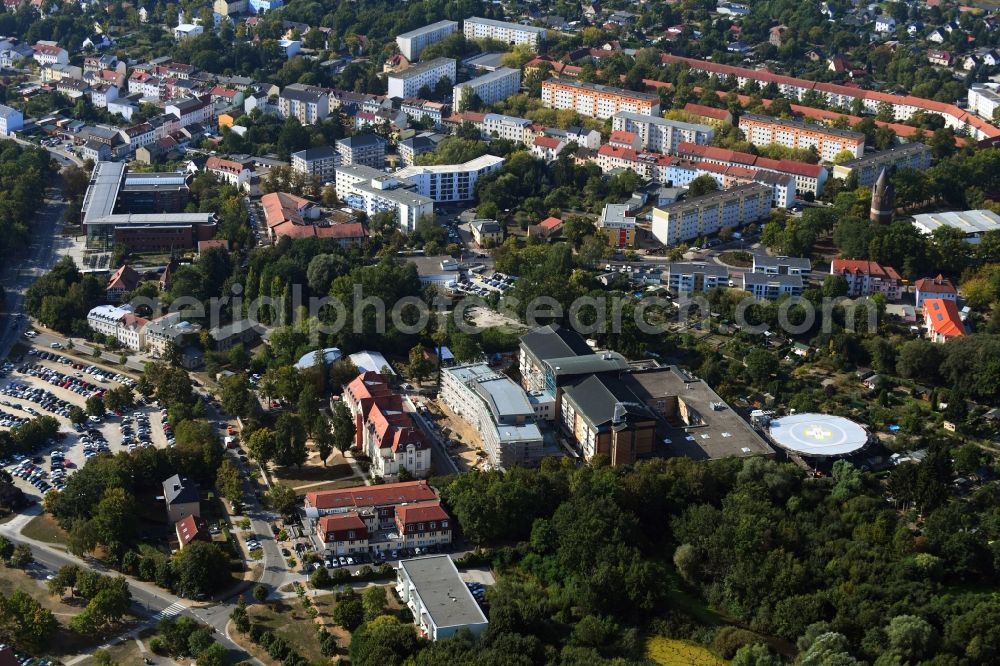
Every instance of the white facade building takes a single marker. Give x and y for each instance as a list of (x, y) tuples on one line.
[(11, 120), (659, 134), (512, 128), (685, 278), (502, 31), (438, 599), (490, 88), (983, 101), (413, 42), (498, 408), (374, 191), (701, 216), (450, 182), (408, 82)]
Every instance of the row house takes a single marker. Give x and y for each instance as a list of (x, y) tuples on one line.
[(840, 96), (422, 110), (144, 83), (192, 110), (865, 278), (808, 177)]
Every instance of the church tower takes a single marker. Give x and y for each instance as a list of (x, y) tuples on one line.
[(883, 196)]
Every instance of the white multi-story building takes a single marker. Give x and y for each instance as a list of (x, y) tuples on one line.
[(413, 42), (489, 88), (828, 141), (498, 409), (659, 134), (865, 278), (914, 155), (450, 182), (409, 81), (374, 191), (229, 171), (438, 599), (502, 31), (512, 128), (983, 101), (319, 163), (119, 323), (192, 110), (769, 287), (48, 53), (701, 216), (363, 149), (424, 110), (11, 120), (685, 278)]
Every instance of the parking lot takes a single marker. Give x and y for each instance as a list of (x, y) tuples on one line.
[(47, 383)]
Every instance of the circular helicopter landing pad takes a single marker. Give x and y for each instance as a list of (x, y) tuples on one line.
[(818, 434)]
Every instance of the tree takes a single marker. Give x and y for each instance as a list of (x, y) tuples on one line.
[(419, 368), (289, 440), (21, 557), (65, 577), (373, 600), (910, 636), (24, 622), (282, 499), (95, 406), (323, 438), (201, 569), (382, 642), (704, 184), (343, 427), (349, 614), (262, 445), (229, 482), (215, 654), (260, 593)]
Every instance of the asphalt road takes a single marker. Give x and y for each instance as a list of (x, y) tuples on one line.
[(26, 266)]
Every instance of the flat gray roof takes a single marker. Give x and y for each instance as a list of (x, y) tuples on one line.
[(887, 155), (421, 67), (489, 77), (714, 198), (766, 278), (803, 263), (799, 124), (664, 122), (442, 593), (722, 434), (609, 90), (427, 28), (695, 268)]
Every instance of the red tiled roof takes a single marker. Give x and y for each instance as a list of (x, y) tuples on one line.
[(937, 285), (550, 223), (706, 111), (547, 142), (209, 244), (614, 151), (342, 522), (219, 164), (421, 513), (371, 496), (863, 267), (187, 530), (281, 207), (622, 136), (125, 278), (942, 316)]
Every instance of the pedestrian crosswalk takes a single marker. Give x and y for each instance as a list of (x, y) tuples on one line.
[(172, 610)]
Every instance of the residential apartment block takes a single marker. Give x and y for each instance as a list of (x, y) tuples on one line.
[(374, 191), (828, 142), (363, 149), (686, 278), (308, 104), (659, 134), (771, 286), (512, 128), (865, 278), (617, 225), (780, 265), (490, 88), (701, 216), (510, 33), (413, 42), (983, 101), (380, 518), (439, 600), (497, 408), (423, 110), (808, 177), (840, 96), (230, 171), (914, 155), (319, 163), (384, 430), (450, 182), (11, 120), (408, 82), (597, 101)]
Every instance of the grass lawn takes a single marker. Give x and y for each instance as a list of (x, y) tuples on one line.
[(288, 619), (126, 652), (45, 528), (302, 479), (737, 258)]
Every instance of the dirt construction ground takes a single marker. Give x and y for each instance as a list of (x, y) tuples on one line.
[(465, 446)]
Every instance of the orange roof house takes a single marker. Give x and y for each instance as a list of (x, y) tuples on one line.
[(942, 320)]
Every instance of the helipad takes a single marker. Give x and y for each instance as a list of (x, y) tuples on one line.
[(818, 434)]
